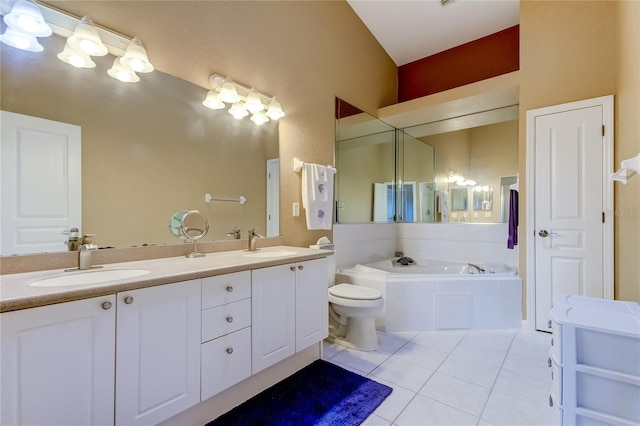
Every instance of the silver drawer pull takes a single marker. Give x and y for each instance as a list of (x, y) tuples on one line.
[(106, 306), (301, 267), (549, 362), (229, 319), (229, 288), (549, 324), (552, 341), (229, 351), (128, 300), (550, 401), (293, 268)]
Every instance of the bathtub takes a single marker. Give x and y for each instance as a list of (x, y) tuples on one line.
[(441, 295)]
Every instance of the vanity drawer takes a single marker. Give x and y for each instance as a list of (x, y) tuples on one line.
[(226, 288), (225, 319), (225, 362)]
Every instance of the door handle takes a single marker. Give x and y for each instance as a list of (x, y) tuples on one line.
[(544, 233)]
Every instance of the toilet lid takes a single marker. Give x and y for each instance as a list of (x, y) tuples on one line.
[(356, 292)]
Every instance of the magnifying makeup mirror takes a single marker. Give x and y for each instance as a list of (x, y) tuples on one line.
[(191, 225)]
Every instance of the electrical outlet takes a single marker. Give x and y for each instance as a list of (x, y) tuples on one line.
[(296, 209)]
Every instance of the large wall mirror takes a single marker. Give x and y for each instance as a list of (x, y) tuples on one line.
[(449, 170), (149, 149)]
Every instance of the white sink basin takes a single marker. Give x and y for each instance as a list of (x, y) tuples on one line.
[(273, 253), (89, 277)]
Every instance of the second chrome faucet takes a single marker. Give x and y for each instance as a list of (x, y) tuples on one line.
[(252, 239)]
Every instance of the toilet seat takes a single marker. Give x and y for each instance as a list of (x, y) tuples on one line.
[(354, 292)]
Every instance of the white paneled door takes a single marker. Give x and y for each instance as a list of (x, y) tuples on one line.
[(41, 183), (570, 187)]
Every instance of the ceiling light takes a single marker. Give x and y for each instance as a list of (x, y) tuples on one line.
[(228, 92), (259, 118), (135, 57), (212, 101), (75, 58), (253, 103), (86, 39), (274, 111), (21, 41), (238, 111), (26, 17), (122, 73)]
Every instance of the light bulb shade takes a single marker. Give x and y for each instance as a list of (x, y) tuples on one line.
[(212, 101), (25, 16), (228, 92), (254, 102), (275, 111), (135, 57), (21, 41), (238, 111), (75, 58), (259, 118), (86, 39), (122, 73)]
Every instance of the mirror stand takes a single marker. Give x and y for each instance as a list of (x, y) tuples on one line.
[(191, 225)]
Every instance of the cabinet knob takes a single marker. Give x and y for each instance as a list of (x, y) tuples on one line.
[(550, 401), (549, 362), (229, 288), (552, 341), (106, 305), (229, 319), (300, 267), (128, 300), (293, 268), (549, 324), (229, 351)]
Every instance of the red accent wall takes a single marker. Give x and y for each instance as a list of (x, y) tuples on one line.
[(486, 57)]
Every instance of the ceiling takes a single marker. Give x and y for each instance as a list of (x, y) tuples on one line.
[(409, 30)]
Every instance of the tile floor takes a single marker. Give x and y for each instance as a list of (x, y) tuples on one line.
[(475, 377)]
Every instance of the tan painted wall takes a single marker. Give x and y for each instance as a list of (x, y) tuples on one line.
[(573, 50)]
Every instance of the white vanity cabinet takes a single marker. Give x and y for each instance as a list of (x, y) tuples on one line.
[(226, 331), (157, 352), (57, 364), (289, 310), (595, 361)]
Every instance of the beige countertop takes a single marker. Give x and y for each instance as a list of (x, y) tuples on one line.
[(17, 293)]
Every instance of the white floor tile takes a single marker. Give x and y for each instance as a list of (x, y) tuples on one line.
[(443, 341), (421, 355), (397, 401), (374, 420), (360, 360), (426, 412), (456, 393), (527, 366), (329, 349), (504, 410), (402, 373), (523, 387), (539, 337), (389, 344), (530, 349), (497, 339), (479, 353), (469, 371)]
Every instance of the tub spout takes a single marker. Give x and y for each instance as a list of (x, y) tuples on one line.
[(476, 267)]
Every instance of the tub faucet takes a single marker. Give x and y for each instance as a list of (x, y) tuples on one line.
[(84, 252), (476, 267), (252, 239)]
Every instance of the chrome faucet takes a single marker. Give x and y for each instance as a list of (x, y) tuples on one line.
[(235, 233), (476, 267), (84, 252), (252, 239)]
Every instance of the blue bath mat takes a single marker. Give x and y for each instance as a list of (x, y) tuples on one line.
[(320, 394)]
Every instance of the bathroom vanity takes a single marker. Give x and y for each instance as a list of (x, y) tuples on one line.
[(141, 350)]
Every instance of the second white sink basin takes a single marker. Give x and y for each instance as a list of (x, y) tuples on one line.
[(89, 277), (273, 253)]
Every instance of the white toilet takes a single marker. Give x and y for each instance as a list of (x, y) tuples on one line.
[(353, 310)]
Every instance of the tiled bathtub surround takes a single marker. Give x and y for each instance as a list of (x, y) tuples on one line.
[(457, 377)]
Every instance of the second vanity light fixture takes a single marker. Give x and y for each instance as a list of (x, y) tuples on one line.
[(27, 20), (243, 100)]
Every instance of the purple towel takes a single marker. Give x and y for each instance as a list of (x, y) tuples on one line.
[(513, 219)]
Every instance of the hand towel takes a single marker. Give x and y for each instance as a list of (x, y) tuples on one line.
[(512, 240), (443, 206), (317, 195)]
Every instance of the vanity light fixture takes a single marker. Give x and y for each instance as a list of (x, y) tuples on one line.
[(85, 38), (122, 73), (243, 100), (24, 23), (75, 58), (135, 57)]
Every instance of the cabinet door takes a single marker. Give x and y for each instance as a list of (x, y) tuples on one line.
[(312, 303), (58, 364), (273, 315), (157, 352)]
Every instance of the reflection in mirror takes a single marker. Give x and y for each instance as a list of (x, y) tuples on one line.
[(506, 184), (482, 198), (459, 198), (149, 149), (190, 225)]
